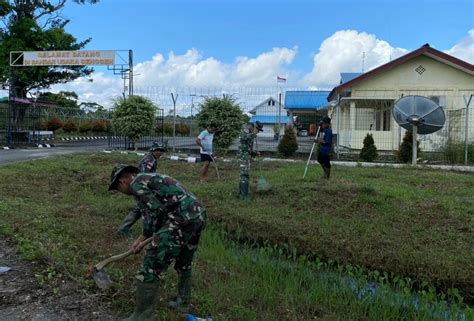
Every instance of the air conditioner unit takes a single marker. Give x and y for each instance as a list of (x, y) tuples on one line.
[(439, 100)]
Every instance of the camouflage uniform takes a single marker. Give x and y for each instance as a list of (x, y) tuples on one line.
[(175, 219), (245, 154), (148, 164)]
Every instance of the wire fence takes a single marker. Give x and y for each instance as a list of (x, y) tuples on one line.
[(353, 117)]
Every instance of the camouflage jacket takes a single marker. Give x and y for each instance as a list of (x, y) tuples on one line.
[(246, 145), (148, 164), (165, 200)]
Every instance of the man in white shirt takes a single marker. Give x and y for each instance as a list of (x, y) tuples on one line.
[(204, 141)]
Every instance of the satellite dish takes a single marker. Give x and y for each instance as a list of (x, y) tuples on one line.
[(420, 115), (419, 111)]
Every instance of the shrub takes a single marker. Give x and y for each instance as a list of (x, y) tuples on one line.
[(183, 129), (167, 129), (288, 144), (53, 124), (133, 117), (226, 113), (368, 153), (99, 126), (85, 127), (405, 151), (69, 126), (454, 152)]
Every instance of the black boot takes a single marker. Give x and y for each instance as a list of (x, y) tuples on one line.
[(181, 302), (244, 190), (146, 302)]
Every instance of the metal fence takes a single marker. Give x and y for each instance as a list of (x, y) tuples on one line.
[(352, 119), (33, 123)]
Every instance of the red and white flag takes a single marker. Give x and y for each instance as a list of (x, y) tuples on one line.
[(281, 79)]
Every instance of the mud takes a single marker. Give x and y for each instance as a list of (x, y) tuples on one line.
[(24, 296)]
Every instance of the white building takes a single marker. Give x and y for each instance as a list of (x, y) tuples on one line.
[(268, 112)]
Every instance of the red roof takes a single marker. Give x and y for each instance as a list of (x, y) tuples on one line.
[(424, 50)]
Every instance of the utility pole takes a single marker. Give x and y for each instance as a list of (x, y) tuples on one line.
[(279, 114), (466, 128), (174, 119)]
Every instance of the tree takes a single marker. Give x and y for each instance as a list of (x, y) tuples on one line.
[(61, 99), (225, 112), (368, 153), (35, 25), (405, 152), (133, 117), (288, 144)]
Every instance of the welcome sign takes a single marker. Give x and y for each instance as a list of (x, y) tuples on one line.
[(69, 58)]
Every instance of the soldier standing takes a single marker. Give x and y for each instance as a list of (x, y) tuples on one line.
[(175, 219), (148, 164), (246, 152)]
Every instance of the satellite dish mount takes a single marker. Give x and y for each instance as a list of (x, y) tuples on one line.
[(420, 115)]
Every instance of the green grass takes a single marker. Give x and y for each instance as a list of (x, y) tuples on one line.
[(407, 223)]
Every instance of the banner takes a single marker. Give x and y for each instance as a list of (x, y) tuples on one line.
[(68, 58)]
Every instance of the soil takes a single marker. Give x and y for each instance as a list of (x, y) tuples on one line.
[(24, 296)]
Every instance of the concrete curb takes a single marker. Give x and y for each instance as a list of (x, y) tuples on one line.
[(87, 138), (456, 168)]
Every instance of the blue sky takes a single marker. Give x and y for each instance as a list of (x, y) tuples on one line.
[(207, 37)]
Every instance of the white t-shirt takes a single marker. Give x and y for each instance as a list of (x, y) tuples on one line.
[(206, 141)]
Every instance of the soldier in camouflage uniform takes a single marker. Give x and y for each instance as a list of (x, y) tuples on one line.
[(147, 165), (245, 154), (174, 218)]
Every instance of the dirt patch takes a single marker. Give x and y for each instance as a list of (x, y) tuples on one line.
[(24, 296)]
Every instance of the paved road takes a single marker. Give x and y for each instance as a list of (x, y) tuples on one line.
[(27, 154), (71, 147)]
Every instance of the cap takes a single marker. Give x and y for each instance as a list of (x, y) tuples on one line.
[(117, 171), (326, 120), (158, 148), (259, 126)]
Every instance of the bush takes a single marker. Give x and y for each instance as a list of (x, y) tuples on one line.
[(53, 124), (69, 126), (368, 153), (183, 129), (133, 117), (405, 152), (226, 113), (454, 152), (85, 127), (288, 144), (99, 126), (167, 129)]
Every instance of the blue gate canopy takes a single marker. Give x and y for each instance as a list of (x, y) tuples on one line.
[(306, 99)]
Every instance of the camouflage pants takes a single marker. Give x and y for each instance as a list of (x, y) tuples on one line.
[(244, 177), (130, 219), (172, 241)]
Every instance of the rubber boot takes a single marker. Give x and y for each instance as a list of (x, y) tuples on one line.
[(146, 302), (128, 222), (181, 302), (244, 190)]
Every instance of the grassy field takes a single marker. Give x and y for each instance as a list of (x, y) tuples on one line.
[(410, 224)]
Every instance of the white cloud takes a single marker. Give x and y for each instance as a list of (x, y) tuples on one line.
[(344, 52), (102, 89), (190, 69), (341, 52), (464, 50)]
